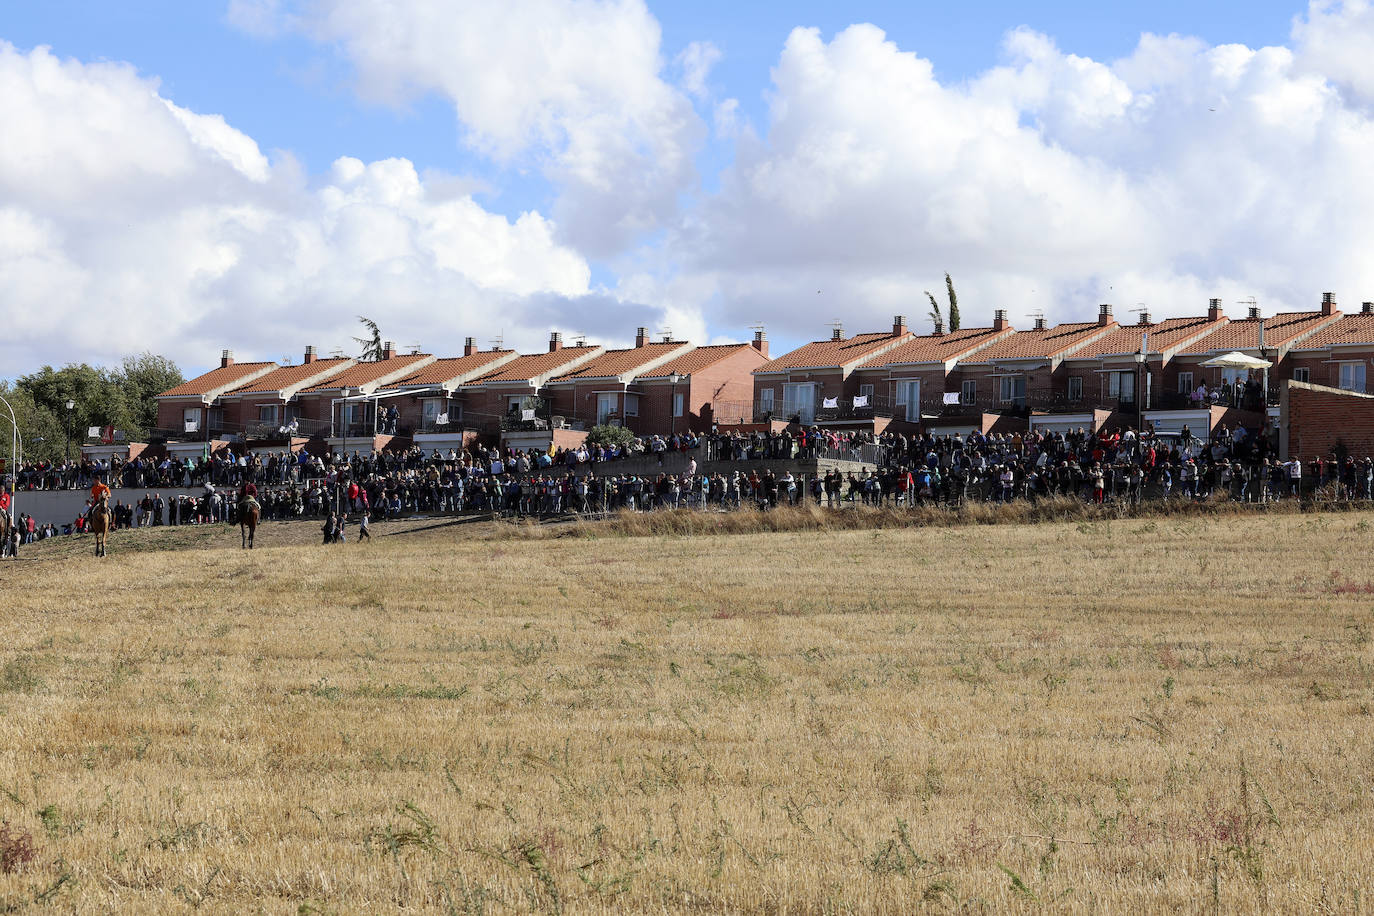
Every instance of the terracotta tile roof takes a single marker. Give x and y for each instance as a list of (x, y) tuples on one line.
[(929, 348), (698, 359), (618, 362), (1163, 335), (524, 368), (1350, 329), (363, 373), (1036, 343), (448, 368), (287, 376), (1244, 334), (826, 353), (215, 380)]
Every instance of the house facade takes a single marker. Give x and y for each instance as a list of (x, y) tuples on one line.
[(189, 410), (496, 397)]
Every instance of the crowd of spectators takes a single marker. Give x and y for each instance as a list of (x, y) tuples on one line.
[(717, 471)]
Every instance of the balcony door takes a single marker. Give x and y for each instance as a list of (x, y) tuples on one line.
[(799, 399)]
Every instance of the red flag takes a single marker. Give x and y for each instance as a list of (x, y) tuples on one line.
[(4, 501), (107, 436)]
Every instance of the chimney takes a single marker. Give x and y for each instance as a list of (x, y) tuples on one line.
[(999, 320), (898, 325), (388, 350), (469, 346), (761, 343), (1367, 308), (1328, 303), (837, 334), (1254, 313), (641, 337), (1145, 318), (226, 359), (1041, 324), (667, 338), (1104, 314), (309, 355), (555, 342), (1213, 309)]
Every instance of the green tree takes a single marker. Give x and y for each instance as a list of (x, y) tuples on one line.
[(609, 435), (142, 378), (372, 343), (41, 430), (936, 317)]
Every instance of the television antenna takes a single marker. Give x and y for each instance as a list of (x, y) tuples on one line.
[(579, 340), (666, 334), (414, 348), (498, 341), (337, 353)]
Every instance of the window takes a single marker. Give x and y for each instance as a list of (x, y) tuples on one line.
[(1352, 377), (799, 400), (677, 404), (269, 413), (1012, 389), (1121, 385), (1235, 376), (430, 408), (1302, 375), (190, 419), (909, 395), (513, 403), (866, 391), (605, 406), (631, 405), (968, 392), (766, 400), (1185, 383), (1075, 388)]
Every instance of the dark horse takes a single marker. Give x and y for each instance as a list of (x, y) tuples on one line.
[(102, 520), (249, 514)]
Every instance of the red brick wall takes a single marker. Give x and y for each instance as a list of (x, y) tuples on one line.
[(729, 381), (1320, 418)]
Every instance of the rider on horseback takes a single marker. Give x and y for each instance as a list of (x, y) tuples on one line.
[(100, 498), (248, 498)]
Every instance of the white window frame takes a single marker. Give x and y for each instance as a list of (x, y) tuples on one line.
[(1075, 388), (1185, 383), (1349, 380), (513, 402), (866, 391), (269, 414), (909, 396), (631, 405), (968, 392), (766, 400), (679, 399), (1302, 374), (802, 401), (606, 405), (1007, 386), (430, 408)]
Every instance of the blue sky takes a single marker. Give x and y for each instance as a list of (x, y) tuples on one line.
[(293, 94), (562, 172)]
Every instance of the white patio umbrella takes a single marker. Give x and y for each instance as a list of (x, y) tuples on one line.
[(1237, 360)]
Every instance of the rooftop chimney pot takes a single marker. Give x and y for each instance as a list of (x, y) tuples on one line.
[(1041, 324), (761, 343), (898, 325), (1213, 309), (310, 356), (999, 320), (1145, 318), (837, 334), (388, 350), (641, 336), (226, 359), (469, 346), (1328, 303), (1367, 308), (1104, 314), (555, 342), (1254, 312)]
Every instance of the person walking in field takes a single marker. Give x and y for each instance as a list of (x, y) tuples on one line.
[(364, 528)]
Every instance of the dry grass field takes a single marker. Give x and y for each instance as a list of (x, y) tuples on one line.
[(1102, 716)]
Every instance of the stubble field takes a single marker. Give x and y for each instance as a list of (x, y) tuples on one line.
[(1125, 716)]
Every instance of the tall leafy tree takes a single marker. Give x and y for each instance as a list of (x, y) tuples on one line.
[(142, 378), (953, 303), (372, 343), (936, 319)]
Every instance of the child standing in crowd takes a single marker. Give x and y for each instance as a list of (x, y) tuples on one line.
[(364, 528)]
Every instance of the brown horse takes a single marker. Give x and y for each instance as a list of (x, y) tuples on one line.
[(102, 520), (248, 523), (4, 532)]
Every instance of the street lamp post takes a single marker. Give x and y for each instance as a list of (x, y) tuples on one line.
[(16, 452), (343, 417), (672, 406), (70, 405), (1139, 392)]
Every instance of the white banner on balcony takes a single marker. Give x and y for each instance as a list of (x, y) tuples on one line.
[(861, 401), (441, 420), (951, 397), (830, 403), (527, 415), (192, 425)]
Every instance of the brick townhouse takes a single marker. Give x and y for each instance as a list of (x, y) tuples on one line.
[(686, 392), (909, 381), (1338, 355), (1268, 338), (270, 401), (190, 409), (1023, 370), (603, 390), (429, 394), (796, 385), (493, 396)]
